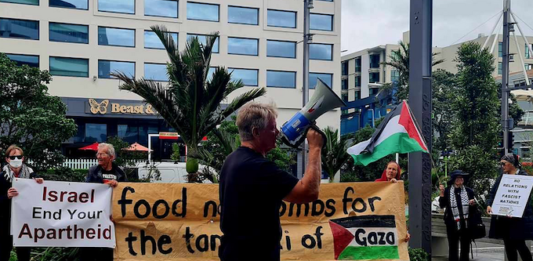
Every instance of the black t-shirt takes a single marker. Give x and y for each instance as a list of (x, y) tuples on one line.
[(108, 175), (251, 191)]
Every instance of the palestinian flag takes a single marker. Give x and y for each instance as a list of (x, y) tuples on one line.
[(398, 133), (365, 237)]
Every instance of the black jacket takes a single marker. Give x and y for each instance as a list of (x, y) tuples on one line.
[(518, 228), (445, 202), (5, 202), (95, 174)]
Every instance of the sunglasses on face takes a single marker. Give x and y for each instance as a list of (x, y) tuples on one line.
[(15, 157), (503, 163)]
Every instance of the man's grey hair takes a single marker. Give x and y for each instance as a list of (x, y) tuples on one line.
[(110, 149), (254, 114)]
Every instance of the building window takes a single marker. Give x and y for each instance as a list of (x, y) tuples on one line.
[(281, 49), (25, 2), (374, 61), (105, 68), (210, 73), (357, 95), (500, 49), (117, 6), (326, 0), (95, 132), (344, 67), (203, 12), (321, 22), (358, 65), (528, 66), (116, 37), (281, 79), (357, 81), (74, 4), (21, 59), (394, 75), (161, 8), (15, 28), (374, 77), (247, 76), (374, 91), (500, 68), (344, 84), (152, 41), (327, 78), (243, 15), (203, 40), (243, 46), (128, 133), (529, 55), (344, 97), (73, 67), (321, 52), (155, 72), (69, 33), (276, 18)]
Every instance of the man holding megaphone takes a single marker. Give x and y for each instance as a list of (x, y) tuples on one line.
[(253, 187)]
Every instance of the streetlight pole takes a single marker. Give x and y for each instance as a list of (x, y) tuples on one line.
[(505, 75), (308, 4)]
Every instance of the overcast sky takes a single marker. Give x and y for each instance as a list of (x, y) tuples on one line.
[(368, 23)]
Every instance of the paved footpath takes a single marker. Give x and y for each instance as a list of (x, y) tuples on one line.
[(484, 252)]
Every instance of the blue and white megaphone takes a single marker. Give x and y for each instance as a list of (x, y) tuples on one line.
[(294, 131)]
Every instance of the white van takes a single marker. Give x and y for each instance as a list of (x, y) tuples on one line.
[(169, 172)]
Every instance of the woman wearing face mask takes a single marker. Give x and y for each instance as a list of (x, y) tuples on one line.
[(15, 168), (514, 231), (458, 200)]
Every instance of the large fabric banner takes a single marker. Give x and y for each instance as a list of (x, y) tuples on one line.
[(62, 214), (350, 221)]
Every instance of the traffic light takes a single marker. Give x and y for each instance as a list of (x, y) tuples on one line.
[(500, 140), (510, 139)]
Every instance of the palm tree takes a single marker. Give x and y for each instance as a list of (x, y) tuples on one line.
[(400, 62), (191, 103), (334, 154)]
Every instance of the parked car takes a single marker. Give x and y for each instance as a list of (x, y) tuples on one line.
[(169, 172)]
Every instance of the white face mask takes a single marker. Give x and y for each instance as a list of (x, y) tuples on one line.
[(16, 163)]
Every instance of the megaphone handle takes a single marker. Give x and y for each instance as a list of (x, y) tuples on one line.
[(317, 129)]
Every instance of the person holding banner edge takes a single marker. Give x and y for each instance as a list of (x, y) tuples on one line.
[(106, 172), (513, 231), (252, 187), (458, 201), (15, 169)]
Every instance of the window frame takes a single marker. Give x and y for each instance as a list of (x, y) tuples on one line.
[(281, 87), (332, 22), (92, 123), (313, 87), (152, 48), (115, 12), (331, 45), (124, 46), (76, 58), (275, 56), (111, 78), (244, 7), (144, 71), (50, 40), (245, 38), (285, 11), (169, 17), (70, 8), (193, 34), (10, 2), (200, 3), (35, 55), (20, 38), (247, 69)]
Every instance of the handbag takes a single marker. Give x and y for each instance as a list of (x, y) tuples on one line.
[(476, 227)]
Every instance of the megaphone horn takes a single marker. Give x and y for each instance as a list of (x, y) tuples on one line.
[(293, 132)]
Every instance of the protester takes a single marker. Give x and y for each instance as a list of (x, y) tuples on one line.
[(458, 200), (514, 231), (392, 173), (252, 187), (106, 172), (15, 168)]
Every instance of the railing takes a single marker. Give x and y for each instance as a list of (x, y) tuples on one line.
[(83, 163)]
